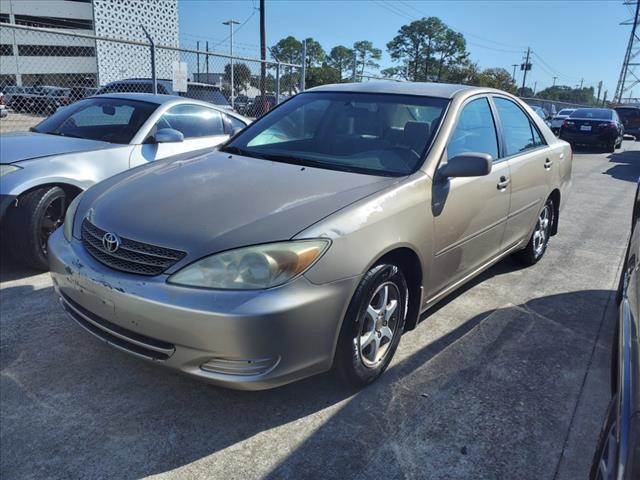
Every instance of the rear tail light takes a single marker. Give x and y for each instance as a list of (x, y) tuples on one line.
[(567, 124), (606, 125)]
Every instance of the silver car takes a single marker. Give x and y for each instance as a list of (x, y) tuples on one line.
[(316, 236), (558, 120), (88, 141)]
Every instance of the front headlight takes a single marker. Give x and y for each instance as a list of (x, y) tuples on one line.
[(252, 268), (69, 216), (5, 169)]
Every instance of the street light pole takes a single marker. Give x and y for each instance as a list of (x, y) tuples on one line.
[(231, 23)]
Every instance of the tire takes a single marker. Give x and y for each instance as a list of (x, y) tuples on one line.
[(36, 216), (364, 351), (611, 147), (606, 442), (537, 246)]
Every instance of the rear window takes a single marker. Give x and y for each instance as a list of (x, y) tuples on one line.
[(597, 113), (566, 111), (206, 94)]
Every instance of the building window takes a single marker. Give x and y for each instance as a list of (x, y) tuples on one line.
[(6, 50), (54, 22), (55, 51)]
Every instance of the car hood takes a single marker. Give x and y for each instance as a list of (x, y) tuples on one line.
[(18, 146), (216, 201)]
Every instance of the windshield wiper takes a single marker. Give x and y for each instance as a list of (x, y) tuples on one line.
[(237, 151), (306, 162)]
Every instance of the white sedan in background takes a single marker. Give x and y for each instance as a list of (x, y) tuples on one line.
[(558, 120), (88, 141)]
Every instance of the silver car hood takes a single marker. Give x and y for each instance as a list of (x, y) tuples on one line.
[(18, 146), (216, 201)]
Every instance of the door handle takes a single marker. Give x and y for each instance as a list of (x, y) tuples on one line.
[(503, 183), (547, 164)]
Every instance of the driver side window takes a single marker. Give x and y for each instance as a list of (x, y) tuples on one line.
[(475, 131)]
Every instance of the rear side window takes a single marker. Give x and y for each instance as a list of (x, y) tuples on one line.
[(520, 134), (193, 121), (475, 131), (595, 113)]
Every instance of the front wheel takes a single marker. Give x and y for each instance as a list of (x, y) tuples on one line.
[(539, 240), (36, 216), (373, 325)]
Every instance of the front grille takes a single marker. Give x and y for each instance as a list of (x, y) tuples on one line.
[(131, 256), (115, 335)]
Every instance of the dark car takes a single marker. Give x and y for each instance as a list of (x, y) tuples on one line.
[(259, 107), (630, 116), (78, 93), (43, 99), (15, 96), (594, 127), (198, 91), (618, 452)]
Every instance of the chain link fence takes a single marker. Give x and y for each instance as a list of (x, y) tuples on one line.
[(42, 70)]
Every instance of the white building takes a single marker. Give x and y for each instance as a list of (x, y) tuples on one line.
[(30, 58)]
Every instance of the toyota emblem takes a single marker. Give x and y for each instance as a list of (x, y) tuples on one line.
[(110, 242)]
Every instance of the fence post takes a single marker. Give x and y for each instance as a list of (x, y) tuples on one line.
[(304, 65), (154, 80), (277, 83)]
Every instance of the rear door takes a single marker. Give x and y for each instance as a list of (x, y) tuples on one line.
[(202, 127), (531, 165), (469, 213)]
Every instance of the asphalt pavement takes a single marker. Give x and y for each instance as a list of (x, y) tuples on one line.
[(507, 378)]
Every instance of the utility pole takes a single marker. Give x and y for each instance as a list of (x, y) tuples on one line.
[(154, 81), (628, 79), (231, 23), (304, 65), (581, 82), (554, 81), (263, 58), (604, 99), (535, 87), (526, 66), (599, 90), (514, 72)]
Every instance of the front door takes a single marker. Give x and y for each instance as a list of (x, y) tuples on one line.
[(469, 213), (202, 128)]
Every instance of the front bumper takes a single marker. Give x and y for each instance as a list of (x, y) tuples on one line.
[(247, 340)]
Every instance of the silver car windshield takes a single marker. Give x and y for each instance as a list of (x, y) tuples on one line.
[(107, 119), (379, 134)]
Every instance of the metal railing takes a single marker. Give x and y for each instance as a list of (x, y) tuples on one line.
[(43, 69)]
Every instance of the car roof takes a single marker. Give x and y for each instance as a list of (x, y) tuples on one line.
[(427, 89)]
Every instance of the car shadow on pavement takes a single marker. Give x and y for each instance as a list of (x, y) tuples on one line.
[(481, 395), (627, 165), (10, 270)]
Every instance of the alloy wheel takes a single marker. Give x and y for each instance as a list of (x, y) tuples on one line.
[(379, 324), (541, 232), (52, 219)]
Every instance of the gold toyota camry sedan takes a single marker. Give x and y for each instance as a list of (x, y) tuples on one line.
[(316, 236)]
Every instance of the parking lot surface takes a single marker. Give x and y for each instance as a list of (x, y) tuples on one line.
[(507, 378)]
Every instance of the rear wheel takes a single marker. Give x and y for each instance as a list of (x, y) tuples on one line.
[(611, 146), (539, 240), (36, 216), (373, 325)]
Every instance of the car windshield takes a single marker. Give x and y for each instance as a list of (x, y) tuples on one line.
[(596, 113), (378, 134), (107, 119)]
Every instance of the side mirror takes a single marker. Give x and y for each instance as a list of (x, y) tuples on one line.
[(168, 135), (469, 164)]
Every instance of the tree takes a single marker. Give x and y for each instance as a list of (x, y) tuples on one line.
[(366, 53), (341, 58), (497, 78), (315, 53), (564, 93), (241, 76), (287, 50), (321, 76), (427, 49)]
